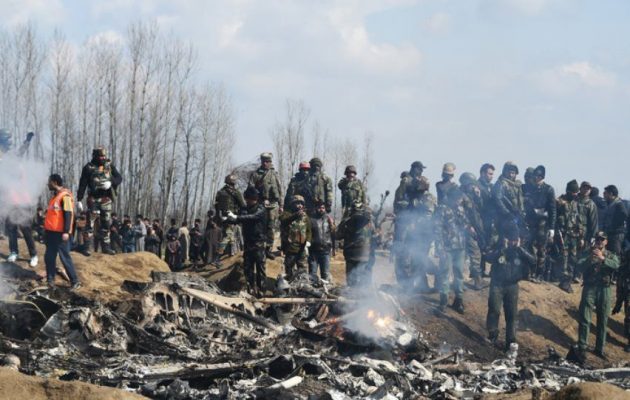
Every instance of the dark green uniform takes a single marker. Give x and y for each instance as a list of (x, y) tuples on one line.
[(228, 199), (510, 264), (351, 192), (356, 231), (267, 182), (623, 298), (321, 189), (572, 226), (295, 231), (596, 294), (475, 241)]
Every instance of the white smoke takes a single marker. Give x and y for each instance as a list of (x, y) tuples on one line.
[(22, 182)]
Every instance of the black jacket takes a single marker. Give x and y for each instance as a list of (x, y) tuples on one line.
[(540, 207), (615, 218), (254, 222), (509, 265)]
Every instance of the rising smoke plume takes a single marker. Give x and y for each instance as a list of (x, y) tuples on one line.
[(22, 182)]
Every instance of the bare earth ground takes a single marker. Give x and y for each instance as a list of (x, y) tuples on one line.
[(547, 315)]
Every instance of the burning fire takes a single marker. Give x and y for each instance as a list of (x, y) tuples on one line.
[(381, 322)]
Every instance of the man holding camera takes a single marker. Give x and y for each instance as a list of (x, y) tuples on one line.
[(597, 269)]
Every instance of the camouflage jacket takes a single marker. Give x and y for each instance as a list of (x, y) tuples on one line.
[(488, 209), (400, 196), (94, 175), (295, 231), (508, 198), (442, 188), (570, 221), (540, 206), (267, 182), (588, 210), (350, 192), (450, 228), (321, 189), (299, 185), (228, 199), (356, 231), (473, 204)]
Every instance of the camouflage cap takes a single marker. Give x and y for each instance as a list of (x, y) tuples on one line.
[(350, 168), (448, 168), (266, 156), (601, 235), (417, 165), (316, 162), (467, 178), (297, 199)]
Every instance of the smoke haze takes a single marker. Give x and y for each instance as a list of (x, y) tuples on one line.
[(22, 181)]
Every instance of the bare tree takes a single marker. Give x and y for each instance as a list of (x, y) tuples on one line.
[(288, 138), (367, 158)]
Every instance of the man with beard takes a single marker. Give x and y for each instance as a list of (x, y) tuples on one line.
[(614, 220), (540, 214), (101, 179), (228, 199), (267, 182)]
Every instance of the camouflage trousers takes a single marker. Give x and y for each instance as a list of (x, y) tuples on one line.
[(538, 245), (571, 253), (473, 254), (104, 207), (295, 261), (272, 222), (228, 238), (452, 261)]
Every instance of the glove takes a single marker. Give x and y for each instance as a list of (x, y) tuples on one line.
[(231, 216), (307, 244), (616, 309), (106, 185), (79, 206), (551, 233)]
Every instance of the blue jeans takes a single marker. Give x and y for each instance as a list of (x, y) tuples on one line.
[(56, 246), (321, 260), (129, 247)]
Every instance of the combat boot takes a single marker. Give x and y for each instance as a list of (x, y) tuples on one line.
[(106, 248), (566, 286), (458, 305), (478, 283)]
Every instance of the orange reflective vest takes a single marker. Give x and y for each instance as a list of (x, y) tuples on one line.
[(54, 221)]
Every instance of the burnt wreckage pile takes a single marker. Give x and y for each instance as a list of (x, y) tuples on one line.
[(183, 338)]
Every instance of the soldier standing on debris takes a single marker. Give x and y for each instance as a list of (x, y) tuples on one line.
[(451, 225), (323, 239), (228, 199), (300, 186), (614, 219), (320, 186), (597, 269), (295, 234), (507, 194), (352, 190), (266, 181), (356, 231), (623, 297), (101, 179), (475, 235), (447, 183), (510, 263), (417, 231), (540, 215), (58, 226), (254, 221)]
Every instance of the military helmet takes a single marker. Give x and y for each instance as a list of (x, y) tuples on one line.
[(510, 166), (350, 168), (467, 178), (230, 179), (316, 162), (448, 168), (266, 156), (417, 165), (304, 165), (297, 199)]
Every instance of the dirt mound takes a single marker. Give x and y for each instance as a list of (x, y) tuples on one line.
[(101, 275), (14, 385), (591, 391)]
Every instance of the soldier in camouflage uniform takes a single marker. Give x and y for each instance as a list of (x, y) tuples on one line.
[(475, 235), (447, 183), (623, 297), (295, 232), (416, 220), (614, 219), (321, 186), (101, 179), (351, 190), (356, 231), (228, 199), (507, 195), (597, 268), (300, 186), (400, 196), (265, 179), (571, 233), (540, 215), (588, 212), (451, 224)]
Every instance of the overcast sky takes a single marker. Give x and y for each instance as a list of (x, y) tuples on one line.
[(469, 81)]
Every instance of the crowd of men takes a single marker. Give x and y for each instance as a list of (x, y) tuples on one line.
[(522, 230)]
